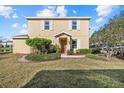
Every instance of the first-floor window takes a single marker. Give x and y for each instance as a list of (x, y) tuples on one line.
[(7, 45), (74, 43)]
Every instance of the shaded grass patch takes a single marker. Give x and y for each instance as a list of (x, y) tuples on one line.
[(78, 79)]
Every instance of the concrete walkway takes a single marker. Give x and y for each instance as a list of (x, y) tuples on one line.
[(22, 59), (72, 56)]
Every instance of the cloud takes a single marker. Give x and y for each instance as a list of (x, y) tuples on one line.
[(23, 31), (24, 25), (15, 25), (14, 16), (61, 11), (51, 11), (74, 11), (99, 20), (51, 7), (45, 12), (104, 10), (6, 11)]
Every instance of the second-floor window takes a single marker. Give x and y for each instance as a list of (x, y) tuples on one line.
[(74, 25), (46, 25)]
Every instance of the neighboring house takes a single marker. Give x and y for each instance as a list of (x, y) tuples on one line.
[(67, 32), (6, 46)]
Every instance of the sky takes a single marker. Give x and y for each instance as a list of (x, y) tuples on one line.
[(13, 21)]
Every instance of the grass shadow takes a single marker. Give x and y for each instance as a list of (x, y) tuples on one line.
[(1, 58), (77, 79)]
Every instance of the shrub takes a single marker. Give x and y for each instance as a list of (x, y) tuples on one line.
[(77, 52), (43, 57), (70, 52), (52, 49), (41, 44), (95, 51), (84, 51)]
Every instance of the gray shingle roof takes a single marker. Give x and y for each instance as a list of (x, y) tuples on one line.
[(20, 36)]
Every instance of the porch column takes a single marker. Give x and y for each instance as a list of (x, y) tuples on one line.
[(68, 43), (57, 41)]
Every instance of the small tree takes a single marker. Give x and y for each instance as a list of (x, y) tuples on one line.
[(41, 44)]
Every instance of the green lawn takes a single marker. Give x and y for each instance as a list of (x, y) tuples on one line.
[(85, 72)]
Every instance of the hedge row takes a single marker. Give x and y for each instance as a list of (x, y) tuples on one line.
[(43, 57), (84, 51)]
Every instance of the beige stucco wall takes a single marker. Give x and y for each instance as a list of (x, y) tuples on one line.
[(35, 30), (19, 46)]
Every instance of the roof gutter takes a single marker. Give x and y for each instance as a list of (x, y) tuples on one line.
[(57, 18)]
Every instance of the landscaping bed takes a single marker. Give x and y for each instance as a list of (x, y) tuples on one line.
[(43, 57)]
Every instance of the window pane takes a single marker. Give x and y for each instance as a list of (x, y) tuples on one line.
[(74, 44), (74, 25), (46, 25)]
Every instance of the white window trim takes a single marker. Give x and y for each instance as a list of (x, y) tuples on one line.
[(78, 43), (78, 24), (51, 24), (70, 25), (42, 25)]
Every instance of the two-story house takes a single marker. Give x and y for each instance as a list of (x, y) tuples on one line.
[(67, 32)]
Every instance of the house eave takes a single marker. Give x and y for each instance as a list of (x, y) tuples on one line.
[(21, 37), (58, 18), (59, 34)]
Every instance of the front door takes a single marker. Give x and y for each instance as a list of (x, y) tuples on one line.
[(63, 44)]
